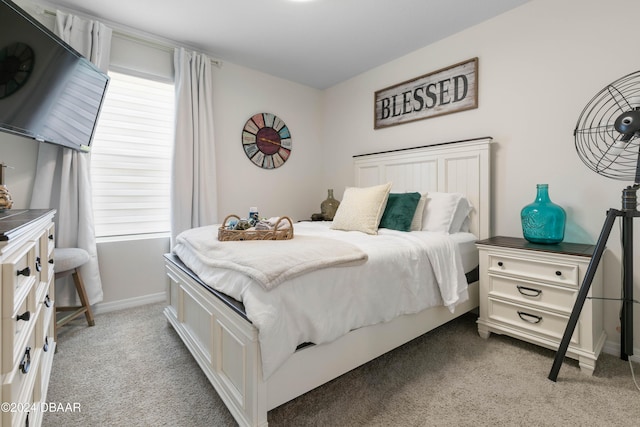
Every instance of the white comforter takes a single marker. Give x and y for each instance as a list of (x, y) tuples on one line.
[(405, 273)]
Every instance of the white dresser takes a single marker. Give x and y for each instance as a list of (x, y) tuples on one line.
[(27, 341), (528, 291)]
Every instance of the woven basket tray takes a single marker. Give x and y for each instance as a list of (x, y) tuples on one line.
[(277, 233)]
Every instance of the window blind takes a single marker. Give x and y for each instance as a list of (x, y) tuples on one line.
[(131, 157)]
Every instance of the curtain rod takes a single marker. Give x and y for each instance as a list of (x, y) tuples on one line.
[(135, 35)]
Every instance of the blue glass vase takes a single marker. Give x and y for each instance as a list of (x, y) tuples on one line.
[(543, 221)]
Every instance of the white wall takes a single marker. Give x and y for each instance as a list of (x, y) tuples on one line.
[(539, 65), (293, 189), (20, 155)]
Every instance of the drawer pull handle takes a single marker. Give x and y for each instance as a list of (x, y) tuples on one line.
[(45, 347), (24, 316), (500, 263), (25, 363), (558, 273), (531, 318), (38, 265), (47, 301), (24, 272), (529, 292)]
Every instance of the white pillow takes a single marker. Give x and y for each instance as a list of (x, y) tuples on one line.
[(416, 222), (361, 209), (445, 212)]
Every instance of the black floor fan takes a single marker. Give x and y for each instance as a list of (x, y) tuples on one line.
[(607, 138)]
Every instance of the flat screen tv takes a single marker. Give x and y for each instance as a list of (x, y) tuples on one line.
[(48, 91)]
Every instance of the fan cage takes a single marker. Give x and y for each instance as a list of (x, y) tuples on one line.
[(599, 145)]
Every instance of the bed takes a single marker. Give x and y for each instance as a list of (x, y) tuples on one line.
[(227, 345)]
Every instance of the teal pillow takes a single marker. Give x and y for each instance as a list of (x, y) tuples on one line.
[(399, 211)]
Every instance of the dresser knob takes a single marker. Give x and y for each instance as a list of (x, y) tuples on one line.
[(50, 236), (45, 347), (24, 272), (558, 273), (500, 263), (24, 316), (47, 301), (38, 264), (25, 363), (51, 261)]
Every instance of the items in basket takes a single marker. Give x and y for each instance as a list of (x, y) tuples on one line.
[(271, 223), (251, 224)]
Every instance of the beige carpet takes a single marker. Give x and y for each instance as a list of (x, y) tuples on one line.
[(131, 369)]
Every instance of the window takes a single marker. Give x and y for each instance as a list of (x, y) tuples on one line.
[(131, 157)]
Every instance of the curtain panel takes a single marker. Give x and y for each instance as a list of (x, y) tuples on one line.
[(63, 179), (194, 186)]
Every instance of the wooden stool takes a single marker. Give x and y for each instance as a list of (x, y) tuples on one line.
[(68, 261)]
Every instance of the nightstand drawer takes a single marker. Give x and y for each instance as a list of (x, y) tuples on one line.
[(541, 295), (529, 319), (552, 272)]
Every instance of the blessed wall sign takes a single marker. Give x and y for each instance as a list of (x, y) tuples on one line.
[(445, 91)]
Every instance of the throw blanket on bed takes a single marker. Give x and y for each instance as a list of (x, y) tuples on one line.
[(269, 262)]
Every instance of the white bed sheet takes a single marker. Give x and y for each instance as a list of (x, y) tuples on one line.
[(325, 304), (466, 243)]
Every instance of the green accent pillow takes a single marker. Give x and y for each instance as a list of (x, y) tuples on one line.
[(399, 211)]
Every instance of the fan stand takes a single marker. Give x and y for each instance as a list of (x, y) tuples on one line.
[(628, 213)]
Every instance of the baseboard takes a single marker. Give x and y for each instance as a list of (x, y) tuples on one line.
[(106, 307), (612, 347)]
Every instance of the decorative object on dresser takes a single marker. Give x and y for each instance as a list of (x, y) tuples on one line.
[(527, 291), (266, 140), (5, 197), (607, 139), (68, 262), (28, 316), (329, 206), (543, 221)]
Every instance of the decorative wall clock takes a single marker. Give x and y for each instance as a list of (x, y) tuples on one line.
[(16, 64), (266, 140)]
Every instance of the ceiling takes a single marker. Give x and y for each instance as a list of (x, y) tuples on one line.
[(318, 43)]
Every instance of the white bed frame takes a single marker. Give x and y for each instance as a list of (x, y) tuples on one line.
[(226, 346)]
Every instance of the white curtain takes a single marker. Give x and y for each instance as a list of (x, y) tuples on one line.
[(194, 188), (62, 179)]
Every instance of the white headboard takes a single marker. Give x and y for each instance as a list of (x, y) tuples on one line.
[(453, 167)]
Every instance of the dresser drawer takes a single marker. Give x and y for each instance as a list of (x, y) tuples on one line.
[(17, 329), (46, 244), (538, 294), (18, 385), (18, 276), (531, 320), (547, 271), (45, 327)]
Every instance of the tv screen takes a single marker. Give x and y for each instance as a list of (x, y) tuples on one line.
[(48, 91)]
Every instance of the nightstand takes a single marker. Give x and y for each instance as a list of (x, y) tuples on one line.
[(528, 290)]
